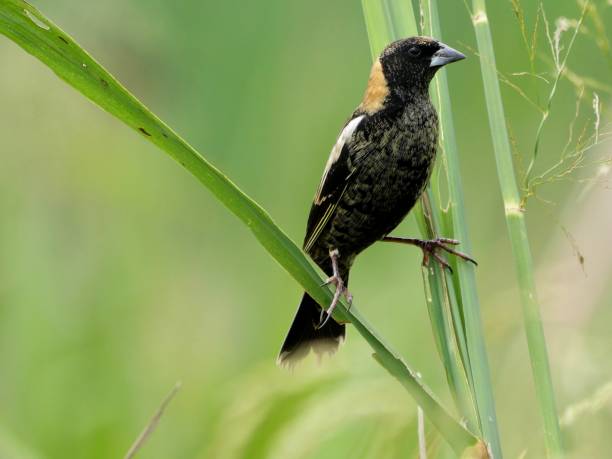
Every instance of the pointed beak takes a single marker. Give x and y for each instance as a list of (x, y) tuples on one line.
[(445, 55)]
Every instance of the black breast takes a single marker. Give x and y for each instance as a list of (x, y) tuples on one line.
[(395, 153)]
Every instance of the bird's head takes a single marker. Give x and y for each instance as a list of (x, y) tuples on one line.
[(414, 61)]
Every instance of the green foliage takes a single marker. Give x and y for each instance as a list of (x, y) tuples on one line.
[(452, 298), (26, 26), (119, 276), (517, 230)]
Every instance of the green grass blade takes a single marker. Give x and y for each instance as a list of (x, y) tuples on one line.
[(27, 27), (443, 304), (477, 364), (383, 28), (517, 230), (452, 299), (376, 19), (385, 22)]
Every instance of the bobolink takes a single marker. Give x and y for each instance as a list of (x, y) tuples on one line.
[(375, 173)]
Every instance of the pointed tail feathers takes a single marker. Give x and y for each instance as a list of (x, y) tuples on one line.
[(304, 334)]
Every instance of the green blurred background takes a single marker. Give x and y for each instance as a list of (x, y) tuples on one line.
[(120, 275)]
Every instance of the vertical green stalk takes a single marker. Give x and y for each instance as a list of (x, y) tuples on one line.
[(452, 299), (384, 27), (477, 363), (515, 219), (445, 317)]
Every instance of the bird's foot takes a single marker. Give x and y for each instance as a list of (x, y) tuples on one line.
[(430, 249), (341, 289)]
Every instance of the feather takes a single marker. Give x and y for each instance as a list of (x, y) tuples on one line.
[(333, 183)]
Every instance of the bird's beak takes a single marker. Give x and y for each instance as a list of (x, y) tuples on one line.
[(445, 55)]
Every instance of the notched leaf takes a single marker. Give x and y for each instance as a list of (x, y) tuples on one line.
[(36, 20)]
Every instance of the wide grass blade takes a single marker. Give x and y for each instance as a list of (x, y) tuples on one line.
[(27, 27), (517, 230)]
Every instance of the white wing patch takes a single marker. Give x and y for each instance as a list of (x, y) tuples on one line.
[(344, 137)]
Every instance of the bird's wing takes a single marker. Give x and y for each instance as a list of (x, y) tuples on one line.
[(333, 183)]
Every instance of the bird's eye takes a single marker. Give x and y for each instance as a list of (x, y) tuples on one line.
[(414, 51)]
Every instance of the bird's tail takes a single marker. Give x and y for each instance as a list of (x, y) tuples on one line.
[(304, 334)]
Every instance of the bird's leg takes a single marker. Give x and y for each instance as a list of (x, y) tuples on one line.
[(340, 288), (430, 247)]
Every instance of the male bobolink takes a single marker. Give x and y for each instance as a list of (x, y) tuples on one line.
[(377, 170)]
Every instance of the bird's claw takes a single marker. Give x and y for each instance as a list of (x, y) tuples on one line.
[(430, 247), (340, 291)]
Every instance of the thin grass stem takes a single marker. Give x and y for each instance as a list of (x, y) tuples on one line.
[(517, 230), (452, 299)]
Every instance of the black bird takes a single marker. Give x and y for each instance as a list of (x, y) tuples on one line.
[(375, 173)]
